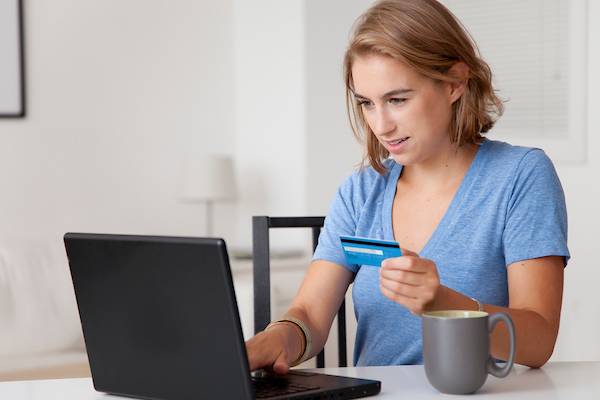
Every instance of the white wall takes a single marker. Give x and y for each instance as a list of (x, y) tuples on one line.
[(332, 151), (270, 114), (118, 94), (580, 324)]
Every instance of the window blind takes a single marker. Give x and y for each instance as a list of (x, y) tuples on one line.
[(525, 43)]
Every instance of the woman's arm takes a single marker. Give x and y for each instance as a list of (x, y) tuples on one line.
[(535, 289), (535, 296), (319, 299), (316, 304)]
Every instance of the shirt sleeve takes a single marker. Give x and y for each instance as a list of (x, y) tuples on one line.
[(536, 219), (340, 220)]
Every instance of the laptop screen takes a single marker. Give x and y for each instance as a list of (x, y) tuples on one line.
[(159, 316)]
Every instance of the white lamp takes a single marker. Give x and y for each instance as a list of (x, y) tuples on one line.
[(208, 179)]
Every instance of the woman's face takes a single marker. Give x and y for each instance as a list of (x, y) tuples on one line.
[(409, 113)]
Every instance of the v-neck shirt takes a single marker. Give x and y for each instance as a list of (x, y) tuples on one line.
[(390, 192), (508, 207)]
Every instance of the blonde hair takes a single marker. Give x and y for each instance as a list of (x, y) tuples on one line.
[(426, 36)]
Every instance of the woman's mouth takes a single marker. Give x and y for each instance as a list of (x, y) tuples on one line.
[(396, 146), (398, 141)]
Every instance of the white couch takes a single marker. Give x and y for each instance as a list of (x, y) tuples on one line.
[(40, 333)]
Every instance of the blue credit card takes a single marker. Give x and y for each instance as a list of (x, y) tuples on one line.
[(366, 251)]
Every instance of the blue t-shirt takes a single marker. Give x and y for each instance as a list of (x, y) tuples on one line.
[(509, 207)]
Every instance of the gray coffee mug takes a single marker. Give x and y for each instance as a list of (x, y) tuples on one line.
[(456, 349)]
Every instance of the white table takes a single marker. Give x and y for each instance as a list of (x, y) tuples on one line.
[(560, 380), (566, 380)]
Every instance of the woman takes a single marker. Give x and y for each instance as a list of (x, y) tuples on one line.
[(482, 223)]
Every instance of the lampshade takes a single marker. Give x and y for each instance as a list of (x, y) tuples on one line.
[(208, 178)]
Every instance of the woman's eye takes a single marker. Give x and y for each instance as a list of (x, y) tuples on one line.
[(364, 103), (396, 100)]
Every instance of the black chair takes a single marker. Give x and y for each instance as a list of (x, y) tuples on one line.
[(261, 275)]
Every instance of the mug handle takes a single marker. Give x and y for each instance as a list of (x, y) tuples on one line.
[(493, 367)]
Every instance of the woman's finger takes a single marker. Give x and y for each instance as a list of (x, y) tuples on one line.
[(255, 354), (261, 351), (407, 263), (413, 305), (401, 288), (406, 277), (281, 366)]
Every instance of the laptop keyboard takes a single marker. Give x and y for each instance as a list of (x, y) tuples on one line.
[(272, 386)]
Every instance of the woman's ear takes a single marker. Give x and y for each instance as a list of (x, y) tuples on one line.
[(459, 73)]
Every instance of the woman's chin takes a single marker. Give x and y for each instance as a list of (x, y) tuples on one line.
[(403, 159)]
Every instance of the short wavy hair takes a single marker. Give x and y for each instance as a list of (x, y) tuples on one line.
[(426, 36)]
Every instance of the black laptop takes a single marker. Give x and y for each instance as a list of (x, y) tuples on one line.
[(160, 321)]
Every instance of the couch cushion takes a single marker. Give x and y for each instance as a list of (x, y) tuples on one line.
[(38, 312)]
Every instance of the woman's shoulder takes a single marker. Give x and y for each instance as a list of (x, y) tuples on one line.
[(366, 182), (500, 155), (367, 176)]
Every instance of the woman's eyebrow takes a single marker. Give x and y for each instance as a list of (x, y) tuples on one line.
[(391, 93)]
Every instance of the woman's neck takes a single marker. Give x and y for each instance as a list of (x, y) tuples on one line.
[(442, 171)]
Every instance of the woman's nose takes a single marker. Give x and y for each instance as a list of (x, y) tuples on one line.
[(382, 123)]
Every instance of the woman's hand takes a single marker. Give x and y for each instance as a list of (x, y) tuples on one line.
[(410, 281), (271, 348)]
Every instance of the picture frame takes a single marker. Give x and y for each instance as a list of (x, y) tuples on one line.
[(12, 60)]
